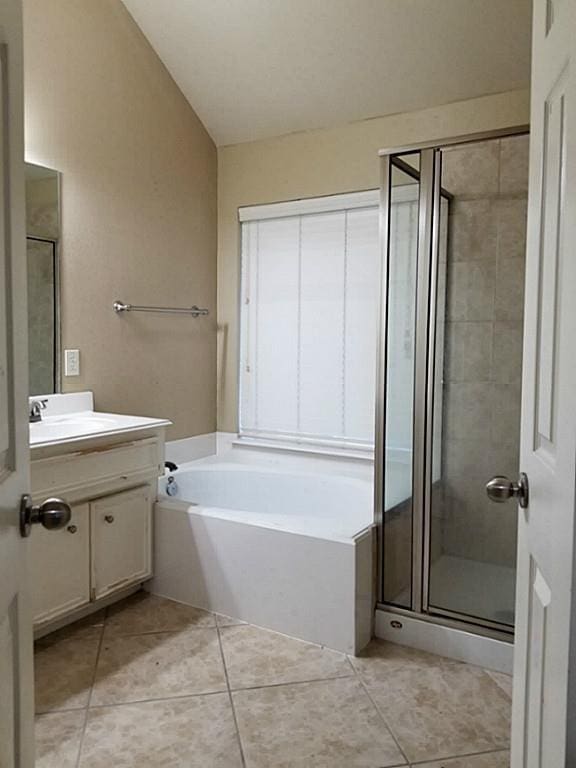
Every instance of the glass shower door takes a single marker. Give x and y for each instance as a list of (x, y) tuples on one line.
[(472, 560), (454, 226), (400, 306)]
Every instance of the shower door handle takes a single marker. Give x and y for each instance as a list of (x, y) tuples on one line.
[(501, 488)]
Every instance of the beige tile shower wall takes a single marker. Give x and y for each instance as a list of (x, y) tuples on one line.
[(41, 221), (323, 162), (41, 350), (138, 209), (483, 366), (42, 208)]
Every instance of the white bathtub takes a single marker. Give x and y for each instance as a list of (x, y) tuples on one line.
[(324, 505), (273, 543)]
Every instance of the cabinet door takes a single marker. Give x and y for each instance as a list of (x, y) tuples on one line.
[(121, 540), (59, 567)]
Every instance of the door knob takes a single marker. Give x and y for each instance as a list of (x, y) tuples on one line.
[(52, 514), (501, 488)]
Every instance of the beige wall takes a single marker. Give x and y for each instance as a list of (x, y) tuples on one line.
[(138, 209), (321, 163)]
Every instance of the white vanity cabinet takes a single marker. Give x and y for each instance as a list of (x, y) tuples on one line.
[(106, 548), (60, 567), (120, 527)]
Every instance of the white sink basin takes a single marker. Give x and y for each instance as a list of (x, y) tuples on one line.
[(42, 432), (81, 420), (86, 424)]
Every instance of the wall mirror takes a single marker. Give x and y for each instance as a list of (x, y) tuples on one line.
[(42, 248)]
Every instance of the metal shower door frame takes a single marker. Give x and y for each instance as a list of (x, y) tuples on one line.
[(429, 213)]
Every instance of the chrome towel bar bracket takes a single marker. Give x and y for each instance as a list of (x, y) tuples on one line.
[(120, 306)]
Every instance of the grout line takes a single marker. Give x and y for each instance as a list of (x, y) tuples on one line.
[(100, 641), (114, 635), (497, 751), (59, 711), (228, 689), (178, 697), (384, 720), (291, 682), (231, 700)]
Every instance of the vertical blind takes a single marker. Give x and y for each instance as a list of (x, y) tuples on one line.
[(310, 292)]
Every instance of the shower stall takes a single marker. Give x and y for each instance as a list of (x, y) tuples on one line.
[(453, 224)]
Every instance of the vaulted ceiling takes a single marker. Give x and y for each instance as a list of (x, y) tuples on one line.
[(259, 68)]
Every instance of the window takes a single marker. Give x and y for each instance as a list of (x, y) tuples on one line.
[(310, 291)]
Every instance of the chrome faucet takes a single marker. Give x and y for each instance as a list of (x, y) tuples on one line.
[(36, 408)]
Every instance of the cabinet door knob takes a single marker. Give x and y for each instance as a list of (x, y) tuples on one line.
[(109, 518), (72, 528)]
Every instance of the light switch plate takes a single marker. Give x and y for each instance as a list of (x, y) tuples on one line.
[(71, 362)]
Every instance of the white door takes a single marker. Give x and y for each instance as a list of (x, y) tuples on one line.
[(16, 685), (543, 720)]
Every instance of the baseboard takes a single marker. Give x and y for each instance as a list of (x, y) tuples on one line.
[(445, 641)]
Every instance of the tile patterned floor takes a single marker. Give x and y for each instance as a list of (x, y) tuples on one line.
[(157, 684)]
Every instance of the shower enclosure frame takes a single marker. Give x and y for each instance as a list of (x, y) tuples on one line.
[(57, 362), (424, 377)]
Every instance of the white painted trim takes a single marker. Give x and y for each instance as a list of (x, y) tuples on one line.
[(216, 443), (303, 445), (366, 199), (224, 441), (445, 641)]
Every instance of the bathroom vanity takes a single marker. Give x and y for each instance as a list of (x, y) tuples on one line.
[(106, 467)]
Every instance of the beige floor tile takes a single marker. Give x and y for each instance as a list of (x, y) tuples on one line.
[(64, 668), (504, 681), (227, 621), (256, 657), (92, 621), (183, 733), (144, 613), (326, 724), (140, 667), (435, 707), (58, 737), (491, 760)]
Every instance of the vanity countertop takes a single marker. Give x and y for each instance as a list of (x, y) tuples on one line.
[(72, 418)]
